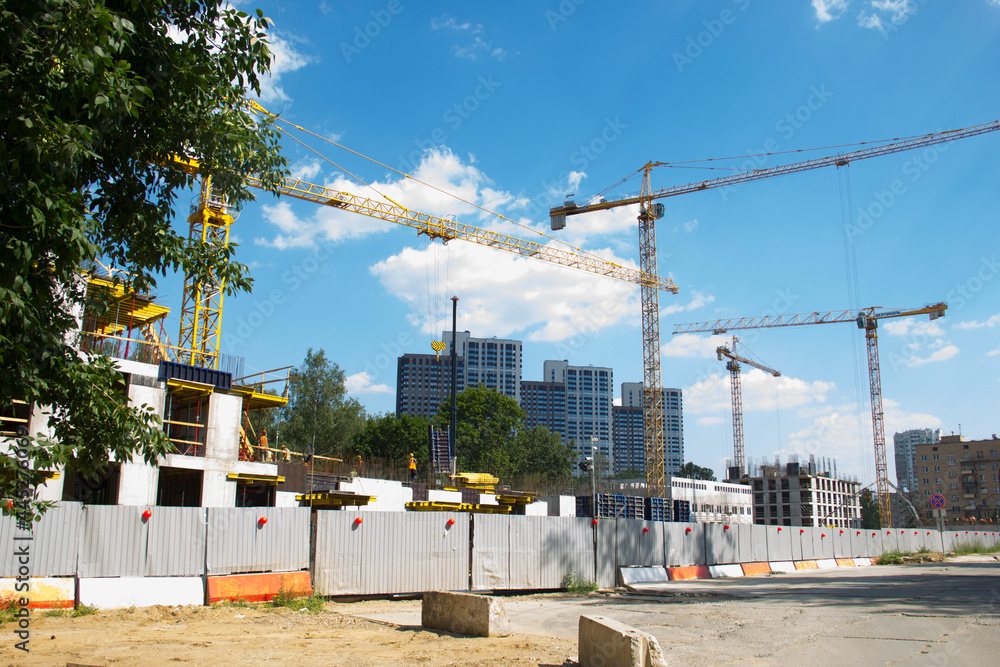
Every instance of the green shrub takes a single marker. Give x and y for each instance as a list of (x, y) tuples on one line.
[(574, 583), (314, 603), (891, 558)]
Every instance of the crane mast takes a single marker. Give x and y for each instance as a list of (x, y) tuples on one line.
[(867, 319), (734, 368)]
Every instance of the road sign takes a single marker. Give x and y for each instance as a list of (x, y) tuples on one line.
[(937, 500)]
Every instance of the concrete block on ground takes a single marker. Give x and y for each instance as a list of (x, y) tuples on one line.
[(862, 562), (465, 614), (806, 565), (442, 496), (845, 562), (124, 592), (42, 592), (719, 571), (783, 566), (642, 575), (561, 505), (826, 563), (258, 587), (603, 641), (537, 508)]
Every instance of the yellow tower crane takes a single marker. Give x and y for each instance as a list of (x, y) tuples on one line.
[(649, 212), (734, 368), (201, 316), (867, 319)]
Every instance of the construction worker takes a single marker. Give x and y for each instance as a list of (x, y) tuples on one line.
[(265, 455), (413, 468)]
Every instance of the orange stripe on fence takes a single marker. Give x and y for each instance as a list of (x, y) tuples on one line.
[(756, 568), (692, 572), (257, 587), (845, 562), (806, 565)]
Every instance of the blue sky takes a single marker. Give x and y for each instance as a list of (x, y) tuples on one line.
[(513, 105)]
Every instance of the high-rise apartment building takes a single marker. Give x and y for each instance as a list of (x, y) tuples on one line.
[(423, 381), (544, 404), (629, 450), (965, 472), (588, 405), (904, 447)]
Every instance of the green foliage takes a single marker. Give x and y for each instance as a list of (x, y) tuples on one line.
[(390, 437), (870, 513), (691, 471), (891, 558), (314, 603), (239, 603), (544, 453), (574, 583), (973, 546), (319, 413), (95, 100), (488, 431)]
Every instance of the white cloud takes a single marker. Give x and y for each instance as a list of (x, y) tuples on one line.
[(899, 9), (886, 13), (477, 46), (504, 294), (993, 353), (828, 10), (285, 59), (910, 326), (761, 392), (305, 170), (698, 300), (943, 353), (993, 320), (871, 21), (692, 345), (361, 383), (689, 227)]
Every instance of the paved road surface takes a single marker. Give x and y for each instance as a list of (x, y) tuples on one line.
[(934, 615)]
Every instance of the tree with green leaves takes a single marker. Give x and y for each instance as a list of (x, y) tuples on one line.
[(691, 471), (870, 513), (543, 452), (319, 416), (390, 437), (487, 438), (97, 97)]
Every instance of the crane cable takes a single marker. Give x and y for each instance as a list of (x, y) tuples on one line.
[(260, 110)]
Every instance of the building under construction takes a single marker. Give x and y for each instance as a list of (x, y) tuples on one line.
[(797, 494)]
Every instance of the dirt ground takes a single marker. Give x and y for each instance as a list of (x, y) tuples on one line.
[(225, 636)]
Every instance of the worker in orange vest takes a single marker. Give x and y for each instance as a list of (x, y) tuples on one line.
[(413, 468)]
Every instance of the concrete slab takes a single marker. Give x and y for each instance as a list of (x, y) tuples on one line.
[(465, 614), (42, 592), (826, 563), (719, 571), (641, 575), (604, 641), (124, 592)]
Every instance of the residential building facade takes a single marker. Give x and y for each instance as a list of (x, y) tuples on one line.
[(965, 472), (629, 432), (904, 447), (794, 495), (588, 406), (423, 382)]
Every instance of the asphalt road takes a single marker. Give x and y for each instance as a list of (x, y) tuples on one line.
[(934, 614)]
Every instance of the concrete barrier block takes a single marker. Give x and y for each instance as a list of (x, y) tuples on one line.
[(642, 575), (826, 563), (465, 614), (719, 571), (845, 562), (603, 641), (862, 562), (806, 565), (783, 566), (690, 572), (123, 592), (756, 568), (42, 592), (258, 587)]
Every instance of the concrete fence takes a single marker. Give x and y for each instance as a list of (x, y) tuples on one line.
[(116, 556)]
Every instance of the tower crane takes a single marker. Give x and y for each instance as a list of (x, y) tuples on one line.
[(867, 319), (649, 212), (209, 224), (734, 368)]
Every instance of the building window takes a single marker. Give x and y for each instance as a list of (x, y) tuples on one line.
[(924, 469), (937, 457), (937, 468), (923, 457)]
